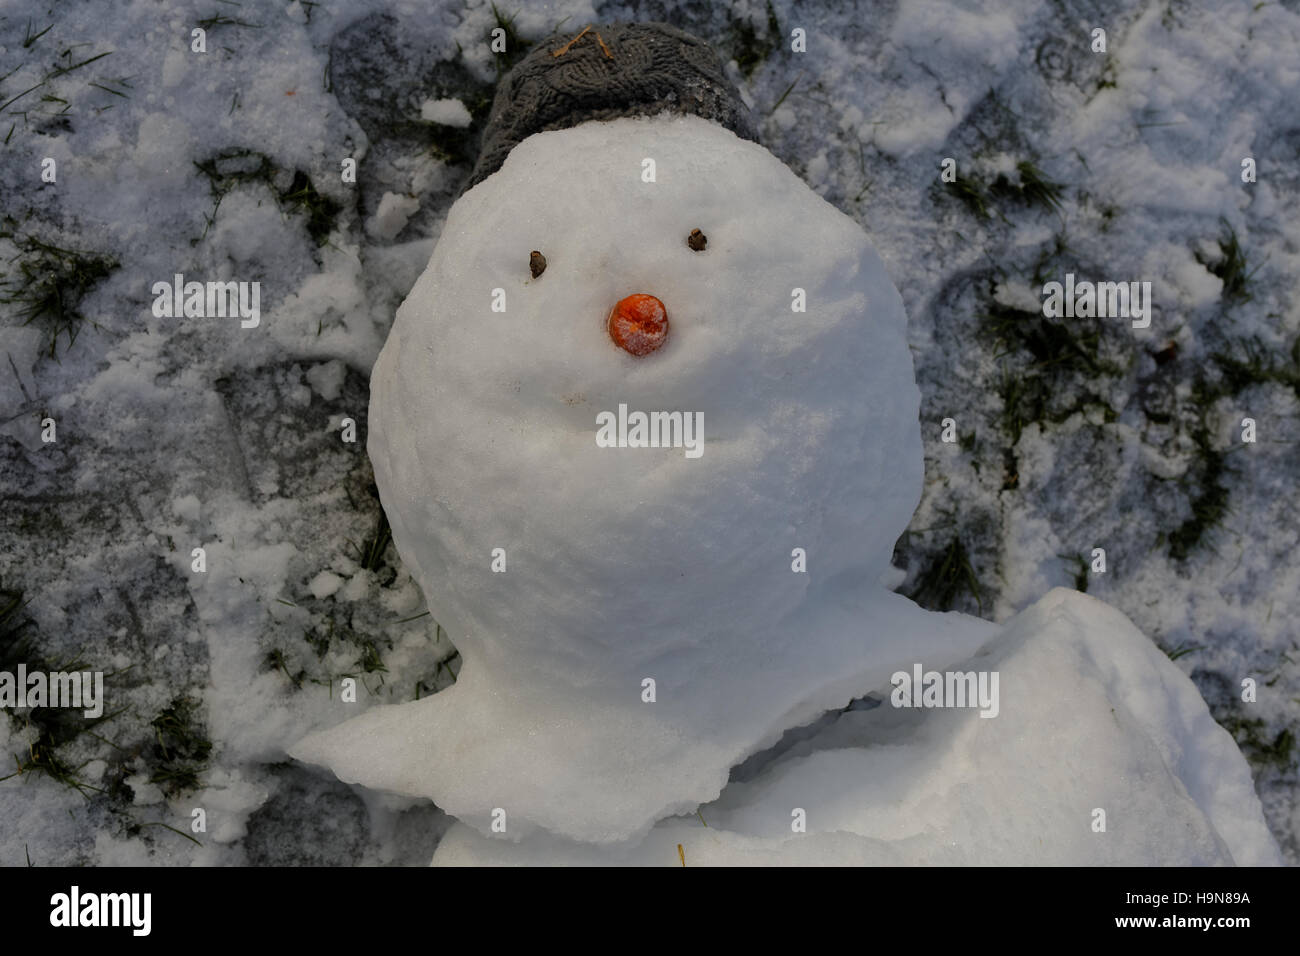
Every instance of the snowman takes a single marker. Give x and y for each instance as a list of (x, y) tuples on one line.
[(646, 430)]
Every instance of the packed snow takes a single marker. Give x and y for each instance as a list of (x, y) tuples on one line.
[(391, 217), (447, 112), (1092, 718)]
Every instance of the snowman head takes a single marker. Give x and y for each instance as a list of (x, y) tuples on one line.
[(784, 340)]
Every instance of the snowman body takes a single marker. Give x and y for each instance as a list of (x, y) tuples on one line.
[(655, 615), (1100, 754)]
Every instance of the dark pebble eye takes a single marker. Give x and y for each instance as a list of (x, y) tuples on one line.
[(536, 263), (697, 240)]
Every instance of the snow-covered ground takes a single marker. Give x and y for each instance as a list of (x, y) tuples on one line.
[(179, 433)]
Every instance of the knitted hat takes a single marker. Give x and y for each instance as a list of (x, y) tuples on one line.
[(603, 73)]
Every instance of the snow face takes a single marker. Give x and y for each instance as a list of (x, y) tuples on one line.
[(630, 564), (1092, 717)]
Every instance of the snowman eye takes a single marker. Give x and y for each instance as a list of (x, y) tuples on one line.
[(536, 263), (697, 240)]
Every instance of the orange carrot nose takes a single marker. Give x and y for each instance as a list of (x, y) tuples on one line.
[(638, 323)]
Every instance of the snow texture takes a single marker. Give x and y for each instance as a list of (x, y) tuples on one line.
[(392, 215), (448, 112), (1091, 716)]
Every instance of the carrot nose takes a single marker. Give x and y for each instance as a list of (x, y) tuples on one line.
[(638, 323)]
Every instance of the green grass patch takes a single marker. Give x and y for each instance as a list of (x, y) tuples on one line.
[(51, 109), (1206, 482), (1251, 362), (47, 283), (479, 103), (42, 757), (1260, 750), (1203, 482), (1231, 267), (1049, 368), (177, 753), (516, 46), (1072, 344), (276, 660), (1033, 190), (1108, 79), (54, 726), (29, 37), (369, 660), (64, 70), (1208, 500), (221, 20), (453, 145), (229, 169), (749, 49), (971, 194), (321, 211), (1022, 402), (1080, 569), (371, 551), (1043, 345), (320, 640), (15, 631), (1244, 364), (946, 577)]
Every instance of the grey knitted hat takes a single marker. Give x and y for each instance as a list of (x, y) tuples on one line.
[(603, 73)]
